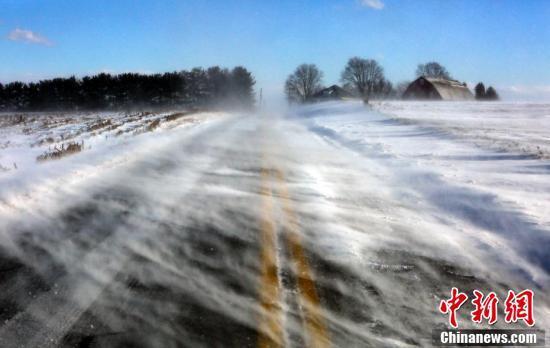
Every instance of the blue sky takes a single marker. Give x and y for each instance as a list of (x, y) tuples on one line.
[(505, 43)]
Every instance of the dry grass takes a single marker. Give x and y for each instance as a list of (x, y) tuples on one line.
[(54, 121), (113, 127), (99, 125), (175, 116), (27, 130), (11, 120), (44, 141), (151, 126), (57, 153)]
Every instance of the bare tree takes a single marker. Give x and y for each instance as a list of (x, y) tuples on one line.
[(364, 75), (433, 69), (383, 89), (301, 85)]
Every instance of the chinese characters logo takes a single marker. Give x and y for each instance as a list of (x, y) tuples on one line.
[(517, 306)]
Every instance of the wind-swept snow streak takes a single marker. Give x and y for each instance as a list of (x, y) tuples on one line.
[(167, 234)]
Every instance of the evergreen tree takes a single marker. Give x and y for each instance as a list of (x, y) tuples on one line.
[(480, 91), (242, 86), (1, 96), (214, 86), (491, 94)]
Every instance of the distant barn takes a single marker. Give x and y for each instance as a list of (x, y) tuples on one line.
[(437, 89), (333, 92)]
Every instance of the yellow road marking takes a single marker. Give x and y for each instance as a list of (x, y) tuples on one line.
[(271, 332), (313, 317)]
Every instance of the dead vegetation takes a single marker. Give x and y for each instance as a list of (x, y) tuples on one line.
[(43, 141), (65, 150), (51, 121), (11, 120), (153, 125), (63, 133), (175, 116), (113, 127), (99, 125), (150, 125), (27, 130)]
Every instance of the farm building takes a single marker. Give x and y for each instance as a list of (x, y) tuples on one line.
[(333, 92), (437, 89)]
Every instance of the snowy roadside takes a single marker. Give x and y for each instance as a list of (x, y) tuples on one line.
[(500, 199), (105, 140)]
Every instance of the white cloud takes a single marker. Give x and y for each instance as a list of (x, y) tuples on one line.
[(29, 37), (375, 4)]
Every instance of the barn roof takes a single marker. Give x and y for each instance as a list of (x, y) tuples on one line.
[(332, 92), (440, 89), (451, 89)]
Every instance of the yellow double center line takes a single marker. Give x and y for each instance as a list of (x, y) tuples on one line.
[(271, 328), (271, 331)]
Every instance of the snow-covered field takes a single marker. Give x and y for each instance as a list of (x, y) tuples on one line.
[(483, 166), (513, 127), (149, 235), (105, 139)]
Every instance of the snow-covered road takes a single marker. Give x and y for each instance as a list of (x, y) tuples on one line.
[(333, 225)]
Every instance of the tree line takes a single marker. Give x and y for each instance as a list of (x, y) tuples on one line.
[(362, 77), (485, 94), (365, 79), (214, 86)]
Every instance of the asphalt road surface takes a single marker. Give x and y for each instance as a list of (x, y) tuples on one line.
[(247, 231)]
